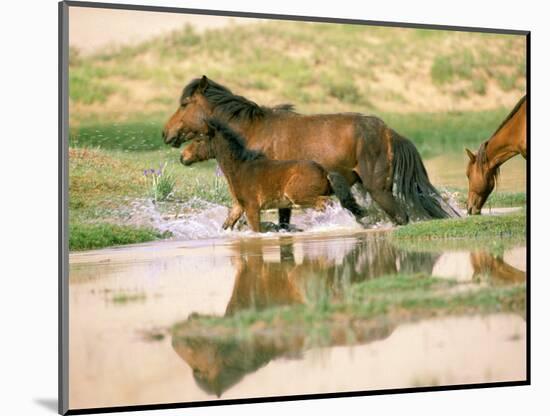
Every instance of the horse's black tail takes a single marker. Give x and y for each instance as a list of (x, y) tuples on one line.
[(342, 190), (412, 185)]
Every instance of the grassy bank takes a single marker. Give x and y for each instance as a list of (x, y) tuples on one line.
[(104, 185), (479, 226), (84, 236)]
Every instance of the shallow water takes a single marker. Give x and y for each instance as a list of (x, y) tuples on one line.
[(123, 300)]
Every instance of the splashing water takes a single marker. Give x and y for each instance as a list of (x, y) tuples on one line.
[(198, 219), (331, 218)]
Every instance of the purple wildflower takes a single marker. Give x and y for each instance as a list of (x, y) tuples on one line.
[(219, 171), (159, 172), (145, 172)]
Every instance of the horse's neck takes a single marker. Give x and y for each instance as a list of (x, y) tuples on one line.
[(252, 133), (503, 145), (244, 128)]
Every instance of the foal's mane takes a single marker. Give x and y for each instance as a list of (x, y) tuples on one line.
[(231, 106), (237, 146)]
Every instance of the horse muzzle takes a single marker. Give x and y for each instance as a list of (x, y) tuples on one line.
[(185, 162), (474, 211), (171, 139)]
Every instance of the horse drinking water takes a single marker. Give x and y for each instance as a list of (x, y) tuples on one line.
[(363, 149), (258, 183), (483, 167)]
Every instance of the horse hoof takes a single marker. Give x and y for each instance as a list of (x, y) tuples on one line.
[(269, 227), (402, 220), (292, 228)]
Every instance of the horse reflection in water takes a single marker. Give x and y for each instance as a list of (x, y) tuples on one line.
[(292, 273), (495, 269), (323, 270)]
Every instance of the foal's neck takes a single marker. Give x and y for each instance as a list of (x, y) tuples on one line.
[(225, 158)]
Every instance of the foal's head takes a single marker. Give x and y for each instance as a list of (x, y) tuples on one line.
[(196, 151), (481, 180)]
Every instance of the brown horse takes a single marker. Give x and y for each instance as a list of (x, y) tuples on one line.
[(509, 140), (363, 149), (258, 183)]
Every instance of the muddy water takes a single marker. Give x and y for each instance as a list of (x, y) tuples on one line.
[(123, 300)]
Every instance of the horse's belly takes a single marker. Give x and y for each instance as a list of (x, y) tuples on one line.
[(282, 202)]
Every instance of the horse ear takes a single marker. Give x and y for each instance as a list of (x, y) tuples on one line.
[(203, 83), (471, 155)]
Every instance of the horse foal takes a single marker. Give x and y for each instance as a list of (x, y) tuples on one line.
[(258, 183)]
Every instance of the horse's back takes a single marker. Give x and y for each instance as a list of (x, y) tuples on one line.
[(333, 140)]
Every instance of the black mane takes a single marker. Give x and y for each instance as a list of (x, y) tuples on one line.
[(229, 105), (237, 145)]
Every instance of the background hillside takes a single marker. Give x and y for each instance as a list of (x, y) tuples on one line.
[(319, 67)]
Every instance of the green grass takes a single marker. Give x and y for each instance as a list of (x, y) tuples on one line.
[(92, 236), (506, 199), (139, 134), (484, 226), (394, 296)]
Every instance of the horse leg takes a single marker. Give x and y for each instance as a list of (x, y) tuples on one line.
[(380, 189), (284, 218), (233, 216), (253, 217), (388, 203)]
